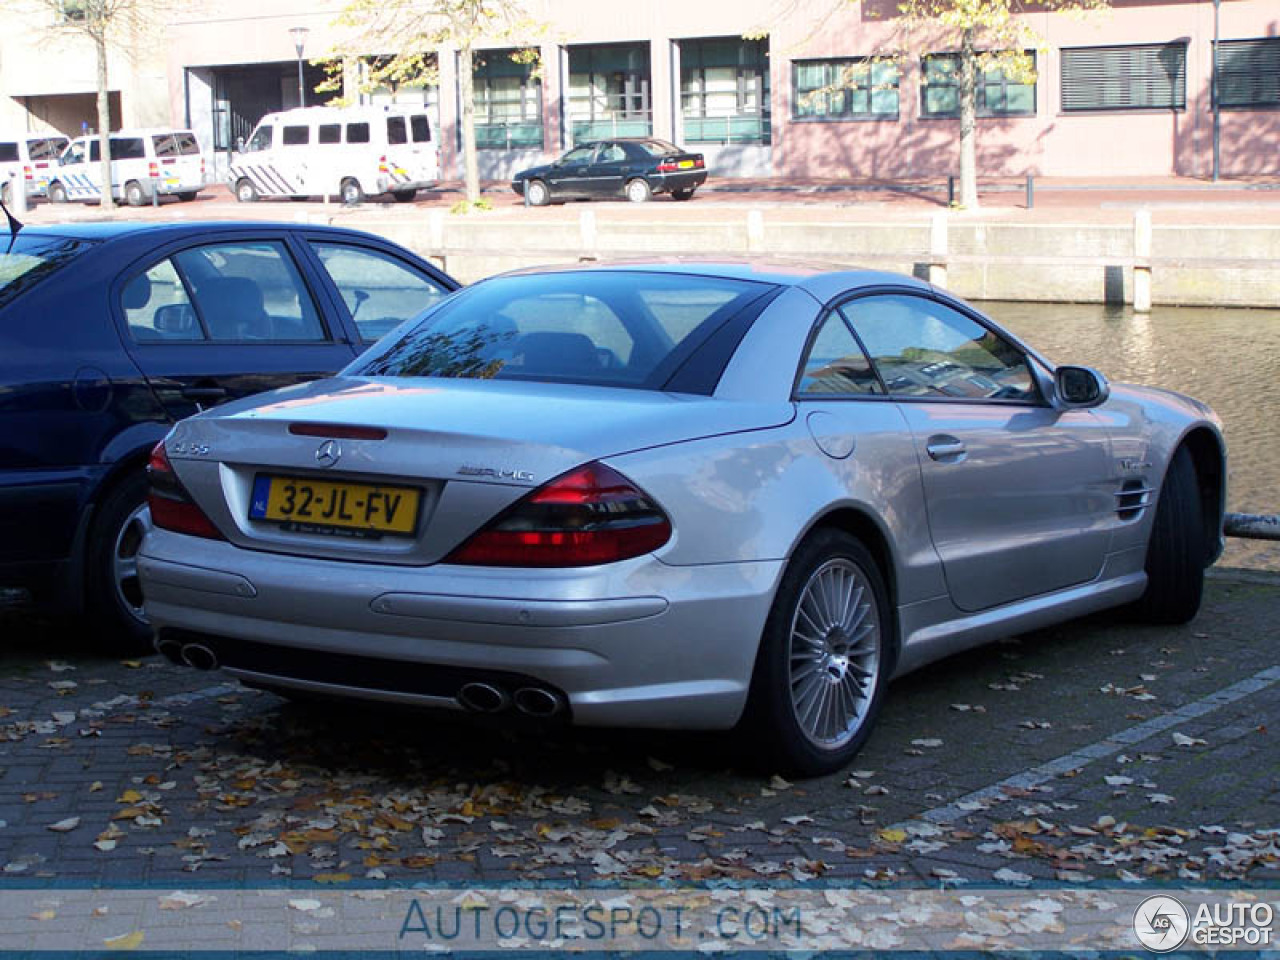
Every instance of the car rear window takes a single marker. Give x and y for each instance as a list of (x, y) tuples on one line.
[(659, 148), (28, 259), (421, 128), (396, 132), (611, 328)]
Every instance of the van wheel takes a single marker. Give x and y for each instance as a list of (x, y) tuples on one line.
[(113, 593), (186, 196), (57, 193), (404, 196), (350, 191), (825, 658), (134, 195), (246, 192), (638, 191)]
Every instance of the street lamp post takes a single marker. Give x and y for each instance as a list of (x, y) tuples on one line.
[(299, 35)]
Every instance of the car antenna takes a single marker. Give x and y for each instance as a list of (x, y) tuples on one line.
[(14, 224)]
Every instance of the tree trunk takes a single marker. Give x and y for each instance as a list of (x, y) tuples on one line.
[(466, 89), (104, 116), (968, 90)]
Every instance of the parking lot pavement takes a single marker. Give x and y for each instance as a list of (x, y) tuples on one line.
[(1097, 751)]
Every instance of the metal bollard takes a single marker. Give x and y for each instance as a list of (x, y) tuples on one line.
[(951, 191), (1031, 191)]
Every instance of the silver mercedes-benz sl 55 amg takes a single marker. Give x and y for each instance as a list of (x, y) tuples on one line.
[(676, 495)]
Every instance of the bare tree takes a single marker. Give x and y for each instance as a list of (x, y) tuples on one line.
[(407, 34), (124, 25)]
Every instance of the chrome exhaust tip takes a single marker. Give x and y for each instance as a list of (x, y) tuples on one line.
[(199, 656), (483, 698), (537, 702), (171, 651)]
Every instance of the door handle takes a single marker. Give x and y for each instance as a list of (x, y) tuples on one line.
[(945, 449), (204, 394)]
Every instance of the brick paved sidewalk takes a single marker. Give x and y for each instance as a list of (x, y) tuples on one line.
[(1094, 752)]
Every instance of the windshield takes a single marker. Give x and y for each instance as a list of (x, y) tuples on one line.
[(32, 258), (610, 328)]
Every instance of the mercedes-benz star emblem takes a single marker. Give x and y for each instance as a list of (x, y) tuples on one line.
[(328, 453)]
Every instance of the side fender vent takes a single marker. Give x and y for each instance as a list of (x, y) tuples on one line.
[(1132, 499)]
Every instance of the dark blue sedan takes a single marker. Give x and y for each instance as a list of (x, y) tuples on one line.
[(631, 167), (111, 332)]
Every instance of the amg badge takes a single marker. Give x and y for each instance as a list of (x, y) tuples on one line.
[(469, 471)]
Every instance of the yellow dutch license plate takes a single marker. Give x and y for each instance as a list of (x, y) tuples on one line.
[(686, 164), (341, 508)]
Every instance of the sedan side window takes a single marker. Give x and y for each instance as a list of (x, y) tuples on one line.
[(158, 308), (923, 348), (250, 291), (380, 291), (836, 364)]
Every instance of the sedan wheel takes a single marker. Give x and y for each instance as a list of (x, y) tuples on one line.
[(638, 191), (824, 658), (539, 195), (114, 590)]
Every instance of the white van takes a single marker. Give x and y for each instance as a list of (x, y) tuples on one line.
[(143, 163), (28, 158), (351, 151)]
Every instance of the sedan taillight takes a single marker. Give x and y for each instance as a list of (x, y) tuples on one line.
[(171, 506), (668, 166), (590, 515)]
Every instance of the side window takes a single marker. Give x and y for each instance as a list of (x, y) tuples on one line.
[(127, 148), (396, 132), (329, 133), (580, 155), (357, 133), (74, 154), (8, 152), (250, 291), (261, 140), (420, 127), (836, 364), (295, 136), (379, 290), (157, 307), (612, 154), (925, 349), (95, 151)]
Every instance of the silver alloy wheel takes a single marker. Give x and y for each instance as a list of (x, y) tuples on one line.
[(638, 191), (834, 656), (124, 561), (538, 193)]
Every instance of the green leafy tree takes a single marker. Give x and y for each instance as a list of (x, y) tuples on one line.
[(986, 35), (406, 36), (124, 25)]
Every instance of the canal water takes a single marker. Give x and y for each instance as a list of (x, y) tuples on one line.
[(1230, 359)]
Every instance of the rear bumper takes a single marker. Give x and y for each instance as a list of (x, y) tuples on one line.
[(668, 182), (637, 643)]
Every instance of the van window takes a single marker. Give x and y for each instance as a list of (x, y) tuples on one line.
[(8, 153), (95, 150), (357, 133), (421, 128), (295, 136), (74, 153), (329, 133), (396, 132), (127, 148), (188, 145), (175, 144), (43, 149), (261, 140)]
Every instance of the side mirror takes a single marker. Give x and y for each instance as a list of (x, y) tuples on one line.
[(1079, 387)]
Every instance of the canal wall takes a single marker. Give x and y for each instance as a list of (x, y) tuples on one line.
[(1222, 265)]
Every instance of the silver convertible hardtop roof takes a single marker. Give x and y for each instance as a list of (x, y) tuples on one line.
[(822, 280)]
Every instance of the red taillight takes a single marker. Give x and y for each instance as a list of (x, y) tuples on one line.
[(153, 170), (26, 172), (171, 505), (337, 431), (697, 163), (590, 515), (668, 166)]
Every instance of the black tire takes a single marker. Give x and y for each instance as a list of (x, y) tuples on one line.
[(772, 720), (299, 199), (637, 190), (1177, 549), (682, 194), (350, 192), (114, 600), (186, 196), (134, 195), (539, 194), (404, 196), (246, 192), (57, 193)]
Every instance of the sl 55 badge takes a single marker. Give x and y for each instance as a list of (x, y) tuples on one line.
[(188, 449)]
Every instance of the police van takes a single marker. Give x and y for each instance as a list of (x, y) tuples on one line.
[(27, 159), (350, 151), (144, 163)]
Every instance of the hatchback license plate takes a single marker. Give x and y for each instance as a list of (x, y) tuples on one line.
[(336, 507)]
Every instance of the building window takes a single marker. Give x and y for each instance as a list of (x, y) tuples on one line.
[(1249, 73), (724, 90), (508, 100), (1150, 76), (998, 95), (609, 91), (856, 88)]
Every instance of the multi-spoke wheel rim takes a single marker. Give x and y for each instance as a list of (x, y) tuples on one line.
[(537, 194), (124, 561), (834, 654), (637, 192)]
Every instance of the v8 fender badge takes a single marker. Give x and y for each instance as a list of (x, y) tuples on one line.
[(469, 471), (1134, 465)]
